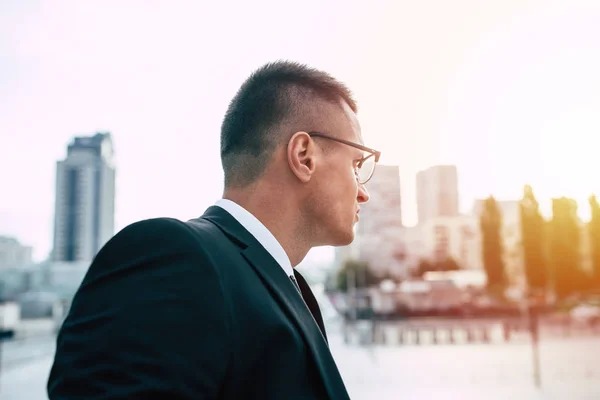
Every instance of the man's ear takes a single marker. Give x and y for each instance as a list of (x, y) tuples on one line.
[(301, 155)]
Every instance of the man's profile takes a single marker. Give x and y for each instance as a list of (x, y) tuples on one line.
[(212, 308)]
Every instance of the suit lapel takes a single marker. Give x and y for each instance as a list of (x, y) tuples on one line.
[(311, 302), (283, 290)]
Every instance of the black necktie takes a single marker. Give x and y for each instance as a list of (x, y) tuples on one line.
[(296, 284), (312, 313)]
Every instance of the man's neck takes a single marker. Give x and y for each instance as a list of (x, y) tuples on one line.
[(278, 216)]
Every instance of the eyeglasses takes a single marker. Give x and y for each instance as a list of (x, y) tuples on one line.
[(366, 166)]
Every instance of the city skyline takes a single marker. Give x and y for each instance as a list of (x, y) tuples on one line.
[(111, 113), (467, 206), (437, 192), (469, 85), (84, 216)]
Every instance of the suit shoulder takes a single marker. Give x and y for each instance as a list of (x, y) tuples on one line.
[(151, 234), (153, 224), (198, 226), (163, 227), (201, 226), (156, 243)]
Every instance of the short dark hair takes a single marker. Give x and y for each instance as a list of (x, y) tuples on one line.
[(276, 96)]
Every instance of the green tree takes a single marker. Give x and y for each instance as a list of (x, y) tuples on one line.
[(490, 223), (568, 278), (532, 234), (358, 271), (594, 235)]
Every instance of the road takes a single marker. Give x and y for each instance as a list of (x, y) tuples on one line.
[(570, 370), (25, 366)]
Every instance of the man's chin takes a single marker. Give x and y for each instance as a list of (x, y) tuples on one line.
[(345, 239)]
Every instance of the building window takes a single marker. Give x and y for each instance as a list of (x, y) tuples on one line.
[(71, 214)]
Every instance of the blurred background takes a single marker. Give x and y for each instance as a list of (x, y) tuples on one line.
[(475, 272)]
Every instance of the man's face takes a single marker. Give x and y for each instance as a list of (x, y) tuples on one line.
[(337, 195)]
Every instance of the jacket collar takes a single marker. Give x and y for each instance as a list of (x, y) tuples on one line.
[(282, 288)]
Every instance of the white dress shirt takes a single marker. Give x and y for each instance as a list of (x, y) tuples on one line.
[(260, 233), (266, 239)]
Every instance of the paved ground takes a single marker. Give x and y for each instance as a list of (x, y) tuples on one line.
[(26, 381), (571, 370), (468, 372)]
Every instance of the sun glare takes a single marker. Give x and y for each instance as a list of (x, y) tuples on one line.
[(568, 161)]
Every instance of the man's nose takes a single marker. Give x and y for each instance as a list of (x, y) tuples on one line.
[(363, 194)]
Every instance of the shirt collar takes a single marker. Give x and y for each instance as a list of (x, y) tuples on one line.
[(260, 233)]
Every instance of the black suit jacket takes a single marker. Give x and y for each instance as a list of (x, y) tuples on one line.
[(196, 310)]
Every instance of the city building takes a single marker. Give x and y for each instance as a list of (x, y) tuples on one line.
[(384, 208), (437, 192), (85, 198), (440, 238), (13, 253), (59, 278), (415, 246), (385, 252), (379, 231)]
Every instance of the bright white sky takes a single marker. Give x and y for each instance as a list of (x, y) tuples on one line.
[(509, 91)]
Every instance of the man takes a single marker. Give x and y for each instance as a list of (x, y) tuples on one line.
[(212, 308)]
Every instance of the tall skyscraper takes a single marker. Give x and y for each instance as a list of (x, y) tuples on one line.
[(384, 207), (437, 192), (85, 197), (380, 227)]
